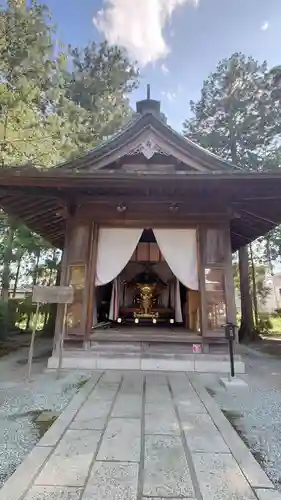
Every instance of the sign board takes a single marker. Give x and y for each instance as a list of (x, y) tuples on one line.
[(197, 348), (53, 294)]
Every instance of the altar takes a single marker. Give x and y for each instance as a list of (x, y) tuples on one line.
[(150, 299)]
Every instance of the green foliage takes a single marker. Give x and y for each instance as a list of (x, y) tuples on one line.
[(49, 113), (236, 116), (264, 326)]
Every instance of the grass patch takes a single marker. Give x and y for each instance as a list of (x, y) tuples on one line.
[(276, 326), (82, 382)]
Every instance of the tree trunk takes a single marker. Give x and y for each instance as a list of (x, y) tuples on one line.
[(8, 253), (247, 325), (34, 281), (270, 265), (254, 285), (17, 276)]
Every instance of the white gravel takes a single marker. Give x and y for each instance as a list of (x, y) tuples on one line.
[(21, 403), (255, 412)]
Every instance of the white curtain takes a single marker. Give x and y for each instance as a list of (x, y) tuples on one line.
[(115, 248), (175, 298), (115, 300), (179, 249), (178, 309)]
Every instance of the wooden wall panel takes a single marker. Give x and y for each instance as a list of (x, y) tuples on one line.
[(147, 252), (154, 253), (143, 252)]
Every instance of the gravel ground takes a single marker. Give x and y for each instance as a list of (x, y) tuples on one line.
[(255, 412), (22, 422)]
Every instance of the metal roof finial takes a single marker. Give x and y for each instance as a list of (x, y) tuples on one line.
[(148, 91)]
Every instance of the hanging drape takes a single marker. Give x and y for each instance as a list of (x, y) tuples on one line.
[(115, 248), (178, 308), (175, 300), (179, 249), (115, 300)]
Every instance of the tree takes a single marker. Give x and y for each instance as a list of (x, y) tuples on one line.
[(237, 118), (48, 114), (100, 82)]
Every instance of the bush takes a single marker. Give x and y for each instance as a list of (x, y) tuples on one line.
[(264, 326)]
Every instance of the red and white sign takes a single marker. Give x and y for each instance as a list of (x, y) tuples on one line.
[(197, 348)]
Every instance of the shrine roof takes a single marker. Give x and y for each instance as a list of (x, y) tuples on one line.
[(147, 126), (200, 183)]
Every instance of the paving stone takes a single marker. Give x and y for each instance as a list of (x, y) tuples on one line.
[(264, 494), (181, 387), (91, 423), (95, 409), (104, 393), (132, 383), (155, 393), (170, 498), (127, 406), (220, 478), (161, 419), (76, 442), (110, 377), (53, 493), (166, 471), (187, 406), (112, 481), (69, 464), (121, 440), (202, 435), (156, 379)]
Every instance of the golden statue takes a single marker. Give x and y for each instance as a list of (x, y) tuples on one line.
[(148, 286)]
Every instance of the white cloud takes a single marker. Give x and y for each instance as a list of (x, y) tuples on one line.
[(265, 26), (171, 96), (164, 69), (138, 25)]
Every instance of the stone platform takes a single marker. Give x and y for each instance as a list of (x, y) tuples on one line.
[(138, 436), (145, 356)]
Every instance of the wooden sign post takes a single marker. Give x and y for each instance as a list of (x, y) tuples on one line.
[(50, 295)]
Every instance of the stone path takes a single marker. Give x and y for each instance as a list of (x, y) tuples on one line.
[(140, 436)]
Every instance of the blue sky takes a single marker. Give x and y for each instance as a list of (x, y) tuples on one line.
[(178, 42)]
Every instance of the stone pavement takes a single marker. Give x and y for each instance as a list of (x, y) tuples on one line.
[(140, 436)]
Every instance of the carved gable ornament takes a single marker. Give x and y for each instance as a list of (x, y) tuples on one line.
[(148, 148)]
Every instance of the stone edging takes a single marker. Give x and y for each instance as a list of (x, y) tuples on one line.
[(18, 484), (253, 472)]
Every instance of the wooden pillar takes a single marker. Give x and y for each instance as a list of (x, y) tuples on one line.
[(229, 280), (75, 265), (90, 282), (202, 283), (63, 281)]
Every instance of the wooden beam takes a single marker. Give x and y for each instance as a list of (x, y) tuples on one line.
[(256, 216), (201, 237)]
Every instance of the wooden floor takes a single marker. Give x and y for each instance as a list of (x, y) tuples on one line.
[(149, 334)]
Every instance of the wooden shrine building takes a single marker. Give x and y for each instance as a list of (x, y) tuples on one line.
[(147, 222)]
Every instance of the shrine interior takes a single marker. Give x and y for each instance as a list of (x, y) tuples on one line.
[(148, 293)]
